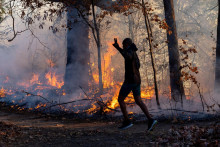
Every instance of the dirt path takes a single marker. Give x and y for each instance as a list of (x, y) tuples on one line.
[(29, 130), (33, 130)]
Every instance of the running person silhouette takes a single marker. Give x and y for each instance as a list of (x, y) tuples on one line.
[(132, 82)]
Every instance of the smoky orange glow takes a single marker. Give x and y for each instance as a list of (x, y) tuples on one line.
[(35, 79), (113, 87), (2, 92), (52, 80)]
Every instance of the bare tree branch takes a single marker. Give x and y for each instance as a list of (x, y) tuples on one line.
[(28, 93), (13, 23)]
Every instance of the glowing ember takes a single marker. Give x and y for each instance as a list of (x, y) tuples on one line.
[(92, 109), (2, 92), (188, 97), (40, 106), (51, 63), (96, 78)]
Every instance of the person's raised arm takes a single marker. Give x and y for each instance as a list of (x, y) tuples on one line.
[(125, 53)]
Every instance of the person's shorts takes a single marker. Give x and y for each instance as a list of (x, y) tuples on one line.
[(127, 88)]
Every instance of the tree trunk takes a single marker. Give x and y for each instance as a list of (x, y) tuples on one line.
[(78, 56), (217, 66), (96, 34), (149, 32), (177, 89), (131, 25)]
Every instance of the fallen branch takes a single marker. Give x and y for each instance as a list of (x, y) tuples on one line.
[(79, 101), (68, 103), (28, 93), (101, 103), (183, 110)]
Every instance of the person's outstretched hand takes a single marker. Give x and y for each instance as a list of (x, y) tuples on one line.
[(116, 43)]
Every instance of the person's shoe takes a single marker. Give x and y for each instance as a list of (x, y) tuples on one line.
[(151, 125), (125, 125)]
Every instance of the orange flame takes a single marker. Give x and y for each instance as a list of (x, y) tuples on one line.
[(40, 105), (113, 86), (113, 104), (92, 109), (2, 92), (35, 79), (53, 80), (107, 69), (51, 63)]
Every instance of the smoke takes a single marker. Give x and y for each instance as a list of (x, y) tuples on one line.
[(196, 22), (27, 59), (47, 52)]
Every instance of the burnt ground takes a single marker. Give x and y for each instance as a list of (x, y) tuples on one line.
[(35, 129)]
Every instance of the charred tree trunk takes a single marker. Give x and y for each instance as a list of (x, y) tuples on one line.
[(78, 56), (217, 66), (177, 89)]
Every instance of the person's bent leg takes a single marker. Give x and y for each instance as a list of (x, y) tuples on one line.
[(127, 122), (143, 107), (137, 97), (151, 121), (123, 107), (124, 91)]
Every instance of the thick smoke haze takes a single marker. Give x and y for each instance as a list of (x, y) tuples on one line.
[(46, 52), (197, 23)]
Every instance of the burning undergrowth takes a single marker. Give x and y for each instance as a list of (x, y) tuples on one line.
[(44, 92)]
